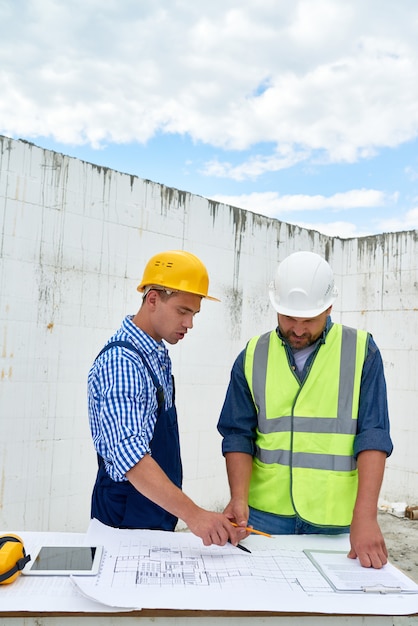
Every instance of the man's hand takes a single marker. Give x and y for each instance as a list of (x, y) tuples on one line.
[(214, 528), (367, 543), (237, 511), (150, 480), (366, 538)]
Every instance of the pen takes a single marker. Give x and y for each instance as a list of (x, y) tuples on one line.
[(241, 547), (252, 530)]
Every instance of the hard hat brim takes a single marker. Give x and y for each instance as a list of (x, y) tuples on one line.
[(306, 314)]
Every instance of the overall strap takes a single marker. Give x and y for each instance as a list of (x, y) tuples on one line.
[(129, 346)]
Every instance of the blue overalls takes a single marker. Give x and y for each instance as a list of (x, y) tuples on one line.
[(119, 504)]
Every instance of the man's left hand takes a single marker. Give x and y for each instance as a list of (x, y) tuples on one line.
[(367, 543)]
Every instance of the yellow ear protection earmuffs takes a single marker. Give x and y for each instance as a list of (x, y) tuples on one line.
[(12, 558)]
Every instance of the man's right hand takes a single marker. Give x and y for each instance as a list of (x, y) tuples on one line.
[(150, 480), (214, 528)]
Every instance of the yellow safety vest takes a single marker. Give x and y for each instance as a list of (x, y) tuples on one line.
[(304, 460)]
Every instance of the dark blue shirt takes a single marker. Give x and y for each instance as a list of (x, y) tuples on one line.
[(238, 420)]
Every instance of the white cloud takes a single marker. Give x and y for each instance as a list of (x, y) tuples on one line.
[(257, 165), (274, 205), (328, 76), (403, 221), (412, 173), (276, 84), (343, 230)]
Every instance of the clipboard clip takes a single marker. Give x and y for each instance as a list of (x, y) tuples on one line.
[(381, 589)]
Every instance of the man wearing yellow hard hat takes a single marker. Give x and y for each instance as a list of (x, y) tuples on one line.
[(305, 421), (132, 414)]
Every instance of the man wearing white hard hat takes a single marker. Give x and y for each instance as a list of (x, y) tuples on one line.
[(305, 421)]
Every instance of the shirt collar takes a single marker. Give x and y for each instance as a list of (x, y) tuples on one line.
[(142, 340)]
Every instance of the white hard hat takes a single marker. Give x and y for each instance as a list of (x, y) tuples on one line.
[(303, 286)]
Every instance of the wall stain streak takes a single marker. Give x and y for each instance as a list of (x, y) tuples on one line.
[(101, 168), (172, 197), (235, 298), (239, 219), (213, 210), (6, 144)]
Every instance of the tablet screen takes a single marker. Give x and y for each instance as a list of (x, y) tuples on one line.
[(61, 560)]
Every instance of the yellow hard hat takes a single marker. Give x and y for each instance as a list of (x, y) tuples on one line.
[(178, 270)]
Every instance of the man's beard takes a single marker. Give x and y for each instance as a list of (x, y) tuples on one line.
[(298, 342)]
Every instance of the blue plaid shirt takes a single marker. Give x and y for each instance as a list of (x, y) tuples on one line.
[(122, 400)]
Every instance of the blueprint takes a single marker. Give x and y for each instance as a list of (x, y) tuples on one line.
[(163, 570), (188, 564)]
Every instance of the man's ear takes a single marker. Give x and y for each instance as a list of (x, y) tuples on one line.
[(152, 297)]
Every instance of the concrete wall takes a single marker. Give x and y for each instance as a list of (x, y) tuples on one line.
[(75, 238), (380, 293)]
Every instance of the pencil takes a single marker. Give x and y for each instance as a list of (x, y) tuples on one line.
[(252, 530)]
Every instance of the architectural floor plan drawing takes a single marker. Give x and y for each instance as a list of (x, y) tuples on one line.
[(174, 570), (184, 566)]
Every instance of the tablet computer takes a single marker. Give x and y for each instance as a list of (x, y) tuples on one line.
[(64, 561)]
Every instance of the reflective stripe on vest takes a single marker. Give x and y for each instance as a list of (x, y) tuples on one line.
[(306, 431)]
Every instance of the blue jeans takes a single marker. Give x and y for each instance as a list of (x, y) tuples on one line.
[(280, 525)]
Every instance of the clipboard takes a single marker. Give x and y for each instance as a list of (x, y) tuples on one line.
[(346, 575)]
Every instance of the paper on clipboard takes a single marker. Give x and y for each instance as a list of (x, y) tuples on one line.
[(347, 575)]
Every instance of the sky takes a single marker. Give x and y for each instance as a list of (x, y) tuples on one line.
[(305, 110)]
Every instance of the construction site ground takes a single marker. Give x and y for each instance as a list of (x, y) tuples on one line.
[(401, 536)]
